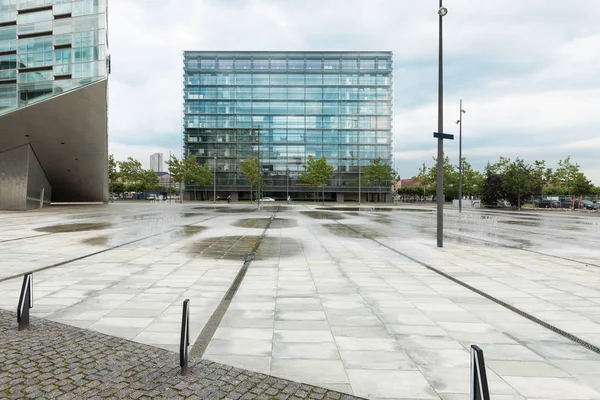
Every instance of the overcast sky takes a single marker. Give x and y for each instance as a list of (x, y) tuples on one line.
[(528, 71)]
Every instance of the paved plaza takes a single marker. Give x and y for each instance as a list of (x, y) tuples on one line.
[(355, 302)]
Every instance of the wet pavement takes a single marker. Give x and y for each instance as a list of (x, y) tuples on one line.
[(355, 300)]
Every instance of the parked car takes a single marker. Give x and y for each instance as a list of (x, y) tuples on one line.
[(151, 196), (268, 199), (545, 203), (589, 205)]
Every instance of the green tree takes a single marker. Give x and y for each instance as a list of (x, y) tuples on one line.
[(581, 185), (113, 173), (518, 182), (195, 174), (424, 178), (316, 172), (492, 189), (176, 172), (378, 173), (118, 187), (130, 170), (148, 180), (566, 173), (472, 182), (251, 169), (450, 177)]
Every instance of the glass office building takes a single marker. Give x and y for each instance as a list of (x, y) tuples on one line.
[(53, 99), (284, 107)]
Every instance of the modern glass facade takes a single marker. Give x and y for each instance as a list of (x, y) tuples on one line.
[(289, 105), (48, 47)]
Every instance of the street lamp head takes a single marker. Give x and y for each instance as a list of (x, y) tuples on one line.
[(442, 11), (464, 111), (458, 122)]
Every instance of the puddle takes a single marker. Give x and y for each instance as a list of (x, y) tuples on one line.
[(188, 215), (261, 223), (352, 231), (74, 227), (521, 223), (138, 217), (362, 209), (322, 215), (227, 210), (238, 247), (120, 238), (469, 241)]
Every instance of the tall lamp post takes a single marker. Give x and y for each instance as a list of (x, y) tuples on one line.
[(215, 181), (258, 188), (442, 11), (460, 162)]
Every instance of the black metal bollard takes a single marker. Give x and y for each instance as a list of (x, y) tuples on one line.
[(25, 301), (479, 384), (185, 337)]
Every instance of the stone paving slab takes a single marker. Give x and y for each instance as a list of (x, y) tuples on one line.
[(52, 360)]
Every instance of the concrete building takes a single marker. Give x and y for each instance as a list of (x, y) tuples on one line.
[(284, 107), (53, 102), (156, 162)]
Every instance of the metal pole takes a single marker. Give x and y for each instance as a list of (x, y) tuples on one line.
[(258, 196), (440, 155), (359, 184), (215, 182), (287, 183), (460, 163)]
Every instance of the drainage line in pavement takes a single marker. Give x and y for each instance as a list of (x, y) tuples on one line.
[(514, 309), (95, 253), (214, 321), (26, 237)]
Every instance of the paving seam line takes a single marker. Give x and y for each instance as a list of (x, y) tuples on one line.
[(97, 252), (514, 309), (207, 333), (587, 264)]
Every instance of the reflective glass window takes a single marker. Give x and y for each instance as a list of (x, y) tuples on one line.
[(24, 4), (31, 92), (279, 79), (62, 26), (330, 107), (88, 23), (382, 63), (89, 38), (208, 63), (278, 64), (261, 79), (225, 79), (243, 93), (6, 16), (349, 79), (243, 79), (260, 93), (314, 93), (313, 63), (296, 93), (8, 33), (63, 39), (35, 76), (243, 64), (64, 69), (243, 107), (260, 63), (331, 63), (278, 92), (296, 64), (367, 63), (314, 107), (350, 64), (62, 56), (296, 107), (314, 79), (225, 64), (296, 79), (8, 45), (35, 17), (330, 93), (34, 27), (8, 74), (32, 60), (36, 44), (331, 79)]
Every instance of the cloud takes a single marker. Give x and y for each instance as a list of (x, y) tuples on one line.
[(527, 72)]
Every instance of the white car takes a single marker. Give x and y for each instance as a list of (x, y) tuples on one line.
[(268, 199)]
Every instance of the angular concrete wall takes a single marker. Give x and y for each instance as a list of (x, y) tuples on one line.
[(22, 180)]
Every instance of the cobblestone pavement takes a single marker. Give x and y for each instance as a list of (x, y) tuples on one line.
[(52, 360)]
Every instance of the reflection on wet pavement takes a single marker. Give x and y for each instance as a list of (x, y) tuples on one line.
[(322, 215), (261, 223), (79, 227), (238, 247), (352, 231)]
